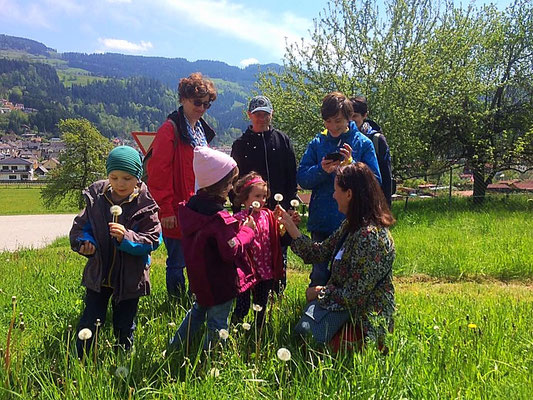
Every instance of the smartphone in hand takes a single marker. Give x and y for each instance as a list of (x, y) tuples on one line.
[(335, 156)]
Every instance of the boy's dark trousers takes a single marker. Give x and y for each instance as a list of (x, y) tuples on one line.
[(96, 307)]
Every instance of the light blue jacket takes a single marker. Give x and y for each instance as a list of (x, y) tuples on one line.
[(324, 215)]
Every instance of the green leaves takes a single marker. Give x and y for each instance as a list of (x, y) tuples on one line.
[(82, 163), (446, 83)]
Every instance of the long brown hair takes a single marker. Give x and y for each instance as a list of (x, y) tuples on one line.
[(368, 204)]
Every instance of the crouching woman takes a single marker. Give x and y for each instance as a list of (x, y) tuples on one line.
[(359, 294)]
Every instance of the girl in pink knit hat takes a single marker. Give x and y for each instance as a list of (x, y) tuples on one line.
[(214, 244)]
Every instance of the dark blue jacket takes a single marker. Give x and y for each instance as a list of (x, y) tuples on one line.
[(324, 215)]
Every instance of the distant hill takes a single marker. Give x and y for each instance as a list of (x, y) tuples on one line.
[(86, 81), (26, 45)]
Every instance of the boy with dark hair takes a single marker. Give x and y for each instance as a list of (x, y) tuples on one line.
[(373, 131)]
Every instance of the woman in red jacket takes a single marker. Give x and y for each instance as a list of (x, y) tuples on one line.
[(170, 172)]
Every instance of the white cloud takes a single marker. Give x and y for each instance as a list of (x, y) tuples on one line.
[(248, 61), (248, 24), (124, 45), (26, 14)]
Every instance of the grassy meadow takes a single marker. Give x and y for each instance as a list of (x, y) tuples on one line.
[(26, 200), (463, 325)]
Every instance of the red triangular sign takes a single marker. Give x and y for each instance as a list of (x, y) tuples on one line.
[(144, 140)]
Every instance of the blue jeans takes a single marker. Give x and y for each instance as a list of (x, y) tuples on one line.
[(175, 266), (96, 307), (320, 273), (217, 319)]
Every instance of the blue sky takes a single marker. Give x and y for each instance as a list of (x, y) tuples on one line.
[(234, 31)]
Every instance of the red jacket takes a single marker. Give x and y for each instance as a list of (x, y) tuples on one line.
[(214, 246), (170, 172)]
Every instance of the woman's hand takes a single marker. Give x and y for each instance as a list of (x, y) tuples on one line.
[(312, 293), (295, 216), (117, 231), (87, 249), (169, 222), (285, 218)]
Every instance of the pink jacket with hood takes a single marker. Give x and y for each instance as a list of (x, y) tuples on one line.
[(214, 244)]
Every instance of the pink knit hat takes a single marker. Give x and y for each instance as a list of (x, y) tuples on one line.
[(210, 166)]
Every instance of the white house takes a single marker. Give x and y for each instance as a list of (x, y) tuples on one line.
[(16, 169)]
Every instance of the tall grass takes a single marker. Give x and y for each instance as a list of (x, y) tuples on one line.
[(452, 340)]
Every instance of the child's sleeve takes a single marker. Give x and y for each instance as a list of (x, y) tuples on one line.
[(232, 245), (81, 231), (144, 237)]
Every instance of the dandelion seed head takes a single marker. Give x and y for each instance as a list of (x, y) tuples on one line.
[(246, 326), (115, 210), (256, 204), (257, 307), (122, 372), (85, 334), (284, 354), (295, 203), (223, 334), (278, 197)]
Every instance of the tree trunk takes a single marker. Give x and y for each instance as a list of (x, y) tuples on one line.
[(480, 186)]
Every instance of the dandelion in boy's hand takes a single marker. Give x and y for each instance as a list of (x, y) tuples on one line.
[(278, 197), (85, 334), (472, 326), (257, 307), (295, 203), (224, 334), (246, 326), (214, 372), (284, 354), (115, 211), (122, 372)]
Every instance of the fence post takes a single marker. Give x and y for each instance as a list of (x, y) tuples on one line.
[(450, 189)]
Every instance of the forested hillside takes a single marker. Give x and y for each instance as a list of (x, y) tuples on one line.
[(118, 93)]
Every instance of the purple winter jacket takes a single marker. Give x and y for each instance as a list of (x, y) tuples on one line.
[(214, 249)]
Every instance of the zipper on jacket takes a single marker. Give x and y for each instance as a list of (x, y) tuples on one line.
[(266, 159), (108, 283)]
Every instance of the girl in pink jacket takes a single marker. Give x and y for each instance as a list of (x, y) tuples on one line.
[(214, 246)]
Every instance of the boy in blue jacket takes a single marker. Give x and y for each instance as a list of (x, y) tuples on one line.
[(340, 143)]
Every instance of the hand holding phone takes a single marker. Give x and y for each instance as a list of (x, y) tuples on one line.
[(335, 156)]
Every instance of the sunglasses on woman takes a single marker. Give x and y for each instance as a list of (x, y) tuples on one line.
[(198, 103)]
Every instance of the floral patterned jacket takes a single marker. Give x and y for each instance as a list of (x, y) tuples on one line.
[(361, 272)]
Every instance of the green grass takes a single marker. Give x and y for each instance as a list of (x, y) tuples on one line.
[(24, 200), (493, 240), (434, 353)]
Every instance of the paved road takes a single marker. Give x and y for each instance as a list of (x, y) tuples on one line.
[(32, 231)]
